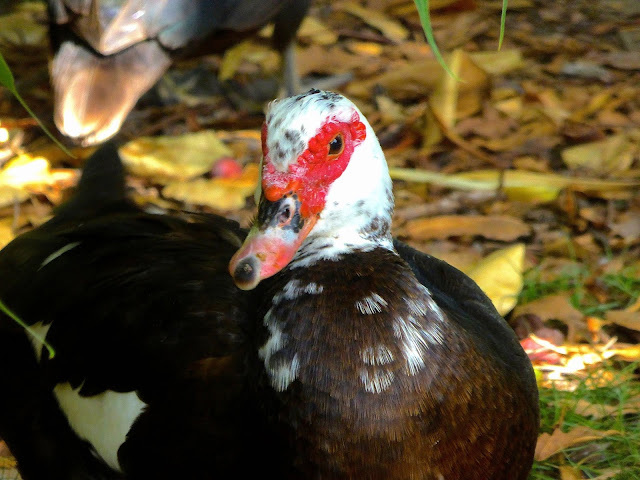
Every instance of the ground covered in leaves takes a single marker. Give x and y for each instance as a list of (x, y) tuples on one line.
[(525, 174)]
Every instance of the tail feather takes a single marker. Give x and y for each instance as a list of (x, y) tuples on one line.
[(101, 185)]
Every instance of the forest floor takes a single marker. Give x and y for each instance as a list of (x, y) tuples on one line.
[(525, 174)]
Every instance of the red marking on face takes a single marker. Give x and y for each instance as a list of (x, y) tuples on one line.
[(315, 169)]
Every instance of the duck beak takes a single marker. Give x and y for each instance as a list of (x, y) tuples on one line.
[(272, 242)]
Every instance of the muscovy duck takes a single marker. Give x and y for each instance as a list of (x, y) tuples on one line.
[(341, 365), (150, 334), (108, 53), (379, 362)]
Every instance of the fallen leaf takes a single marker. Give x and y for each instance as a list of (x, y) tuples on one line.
[(219, 193), (627, 226), (615, 154), (517, 184), (20, 28), (26, 173), (556, 307), (608, 474), (389, 27), (405, 80), (6, 231), (500, 62), (331, 61), (549, 445), (499, 275), (173, 158), (628, 353), (624, 318), (498, 227), (568, 472), (452, 98), (247, 51), (316, 31), (598, 411), (620, 60), (8, 463)]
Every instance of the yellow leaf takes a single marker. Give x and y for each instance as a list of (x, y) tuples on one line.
[(498, 62), (6, 231), (8, 463), (498, 227), (549, 445), (453, 99), (370, 49), (21, 28), (614, 154), (232, 59), (389, 27), (25, 173), (568, 472), (171, 158), (220, 193), (25, 170), (517, 184), (499, 275), (317, 32)]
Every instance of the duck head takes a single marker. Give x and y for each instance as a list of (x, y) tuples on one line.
[(325, 188)]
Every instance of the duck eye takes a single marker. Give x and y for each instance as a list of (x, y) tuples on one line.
[(286, 212), (336, 146)]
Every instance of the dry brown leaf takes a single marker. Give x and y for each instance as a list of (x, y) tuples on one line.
[(556, 307), (219, 193), (454, 99), (168, 158), (405, 80), (627, 227), (549, 445), (624, 318), (327, 61), (608, 474), (599, 410), (499, 275), (389, 27), (497, 227)]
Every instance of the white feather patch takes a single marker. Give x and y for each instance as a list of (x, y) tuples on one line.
[(371, 304), (103, 420)]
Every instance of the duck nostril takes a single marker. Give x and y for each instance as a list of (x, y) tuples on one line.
[(246, 273)]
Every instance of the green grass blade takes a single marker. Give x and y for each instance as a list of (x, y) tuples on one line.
[(6, 77), (425, 20), (34, 334), (503, 19), (7, 81)]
